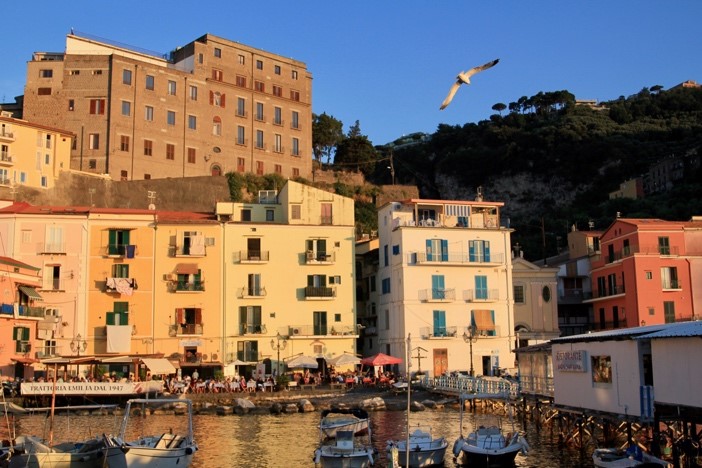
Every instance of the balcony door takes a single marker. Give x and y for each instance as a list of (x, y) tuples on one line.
[(440, 361)]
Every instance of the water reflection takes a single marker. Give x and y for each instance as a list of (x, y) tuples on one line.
[(290, 439)]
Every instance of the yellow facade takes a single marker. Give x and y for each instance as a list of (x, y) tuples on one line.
[(32, 155)]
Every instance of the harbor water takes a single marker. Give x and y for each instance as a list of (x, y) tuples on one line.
[(290, 439)]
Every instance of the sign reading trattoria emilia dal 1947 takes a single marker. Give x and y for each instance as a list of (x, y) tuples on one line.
[(91, 388), (571, 361)]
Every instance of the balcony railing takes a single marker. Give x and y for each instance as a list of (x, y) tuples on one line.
[(320, 257), (51, 248), (481, 295), (48, 351), (672, 284), (6, 158), (34, 312), (256, 329), (571, 296), (188, 286), (481, 333), (320, 292), (189, 329), (53, 284), (253, 256), (121, 250), (6, 134), (251, 292), (437, 295), (459, 258), (248, 356), (611, 325), (438, 332), (605, 293)]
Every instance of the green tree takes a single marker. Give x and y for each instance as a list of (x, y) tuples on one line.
[(356, 152), (499, 107), (327, 132)]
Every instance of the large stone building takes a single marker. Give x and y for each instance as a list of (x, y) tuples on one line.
[(210, 107)]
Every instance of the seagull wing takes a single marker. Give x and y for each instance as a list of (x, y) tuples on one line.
[(452, 92), (475, 70)]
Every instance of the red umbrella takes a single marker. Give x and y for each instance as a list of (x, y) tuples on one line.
[(380, 359)]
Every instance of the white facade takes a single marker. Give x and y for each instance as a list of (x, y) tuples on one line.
[(444, 271), (677, 370)]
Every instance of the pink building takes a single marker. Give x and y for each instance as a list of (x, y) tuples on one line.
[(646, 272)]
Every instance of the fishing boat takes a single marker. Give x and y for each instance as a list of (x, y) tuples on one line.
[(424, 449), (33, 452), (335, 419), (631, 457), (345, 451), (488, 445), (166, 450)]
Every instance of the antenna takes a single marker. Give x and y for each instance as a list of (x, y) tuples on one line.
[(91, 192), (479, 196), (151, 197)]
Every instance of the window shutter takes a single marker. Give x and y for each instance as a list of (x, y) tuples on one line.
[(310, 280), (212, 96), (486, 250), (444, 250), (198, 316), (92, 106), (16, 334), (110, 318), (471, 250), (124, 318), (180, 316), (221, 102)]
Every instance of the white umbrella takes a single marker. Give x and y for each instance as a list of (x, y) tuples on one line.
[(345, 359), (302, 361)]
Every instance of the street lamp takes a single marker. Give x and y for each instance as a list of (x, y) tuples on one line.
[(78, 344), (278, 343), (470, 338)]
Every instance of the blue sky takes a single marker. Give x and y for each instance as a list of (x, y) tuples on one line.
[(390, 64)]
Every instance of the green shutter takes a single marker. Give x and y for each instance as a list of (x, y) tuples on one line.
[(25, 334), (110, 318)]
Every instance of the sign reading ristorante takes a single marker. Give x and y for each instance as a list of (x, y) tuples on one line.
[(571, 361)]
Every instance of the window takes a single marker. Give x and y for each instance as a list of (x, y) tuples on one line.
[(259, 86), (92, 164), (118, 239), (44, 181), (385, 286), (250, 318), (124, 143), (295, 123), (651, 311), (74, 72), (294, 74), (438, 289), (326, 213), (295, 146), (259, 64), (20, 335), (316, 249), (218, 52), (44, 91), (94, 141), (294, 95), (481, 288), (127, 77), (148, 148), (295, 212), (259, 139), (191, 155), (217, 99), (170, 151), (241, 107), (386, 257), (193, 93), (259, 167), (71, 104), (147, 176), (171, 118), (546, 294), (437, 250), (278, 169), (439, 323), (217, 75), (479, 251), (296, 172), (669, 311), (120, 270), (270, 215), (241, 164), (276, 69), (119, 314), (149, 114), (259, 111), (23, 177), (519, 297), (97, 106), (217, 126), (200, 58), (192, 122), (277, 91), (171, 88), (278, 143), (241, 59), (97, 72), (669, 278), (247, 351), (649, 275), (126, 108), (277, 116), (336, 279), (664, 246), (241, 81), (319, 320), (240, 135), (46, 73), (150, 82), (246, 215)]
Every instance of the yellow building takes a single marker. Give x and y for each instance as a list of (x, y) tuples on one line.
[(32, 155), (288, 276)]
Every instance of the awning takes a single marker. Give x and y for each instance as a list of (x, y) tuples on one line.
[(159, 366), (187, 268), (483, 320), (31, 293), (24, 360)]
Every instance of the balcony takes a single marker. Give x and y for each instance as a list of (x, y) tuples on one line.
[(438, 332), (6, 135), (248, 356), (6, 159), (437, 295), (47, 352), (317, 330), (187, 286), (481, 295), (51, 248), (175, 250), (319, 258), (613, 291), (571, 296), (53, 285), (252, 329), (481, 333), (23, 347), (120, 250), (455, 258), (31, 312), (629, 251), (248, 293), (250, 256), (320, 292), (671, 284), (185, 329)]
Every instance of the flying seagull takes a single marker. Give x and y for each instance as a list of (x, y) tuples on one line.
[(464, 78)]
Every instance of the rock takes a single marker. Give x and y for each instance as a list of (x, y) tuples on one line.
[(373, 404), (291, 408), (243, 406), (225, 410), (395, 405), (305, 406), (416, 406), (431, 404), (276, 408)]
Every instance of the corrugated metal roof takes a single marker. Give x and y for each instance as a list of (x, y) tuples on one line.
[(677, 330), (667, 330)]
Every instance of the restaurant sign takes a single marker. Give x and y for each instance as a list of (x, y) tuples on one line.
[(571, 361), (91, 388)]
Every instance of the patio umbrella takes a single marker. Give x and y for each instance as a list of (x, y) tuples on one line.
[(380, 359), (308, 362), (344, 359)]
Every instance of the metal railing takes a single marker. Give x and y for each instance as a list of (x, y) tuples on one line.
[(433, 294), (319, 257), (438, 332), (187, 286), (251, 292), (481, 295), (28, 311), (256, 329), (456, 257), (250, 256), (320, 291)]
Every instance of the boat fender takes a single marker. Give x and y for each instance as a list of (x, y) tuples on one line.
[(317, 457), (525, 445), (189, 451), (458, 446)]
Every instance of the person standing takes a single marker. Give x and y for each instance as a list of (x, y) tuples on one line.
[(195, 375)]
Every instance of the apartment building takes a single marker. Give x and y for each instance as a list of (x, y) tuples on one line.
[(288, 267), (646, 273), (367, 294), (32, 155), (445, 279), (210, 107)]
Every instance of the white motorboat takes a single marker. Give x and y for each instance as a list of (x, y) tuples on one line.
[(32, 452), (488, 446), (424, 449), (631, 457), (333, 420), (157, 451)]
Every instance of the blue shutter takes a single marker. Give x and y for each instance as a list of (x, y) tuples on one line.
[(471, 251), (492, 332), (437, 287), (429, 253), (444, 250), (439, 323), (481, 287), (486, 250)]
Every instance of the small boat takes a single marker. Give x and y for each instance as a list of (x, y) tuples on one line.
[(345, 452), (33, 452), (631, 457), (425, 450), (333, 420), (162, 451), (488, 446)]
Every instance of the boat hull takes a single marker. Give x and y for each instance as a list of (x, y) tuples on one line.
[(421, 458), (143, 457), (480, 459), (38, 455), (329, 457), (613, 458), (358, 427)]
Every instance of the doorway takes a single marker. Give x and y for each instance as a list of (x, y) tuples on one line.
[(440, 361)]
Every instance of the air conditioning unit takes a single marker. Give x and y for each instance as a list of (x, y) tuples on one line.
[(310, 255), (295, 331), (215, 357), (205, 357)]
